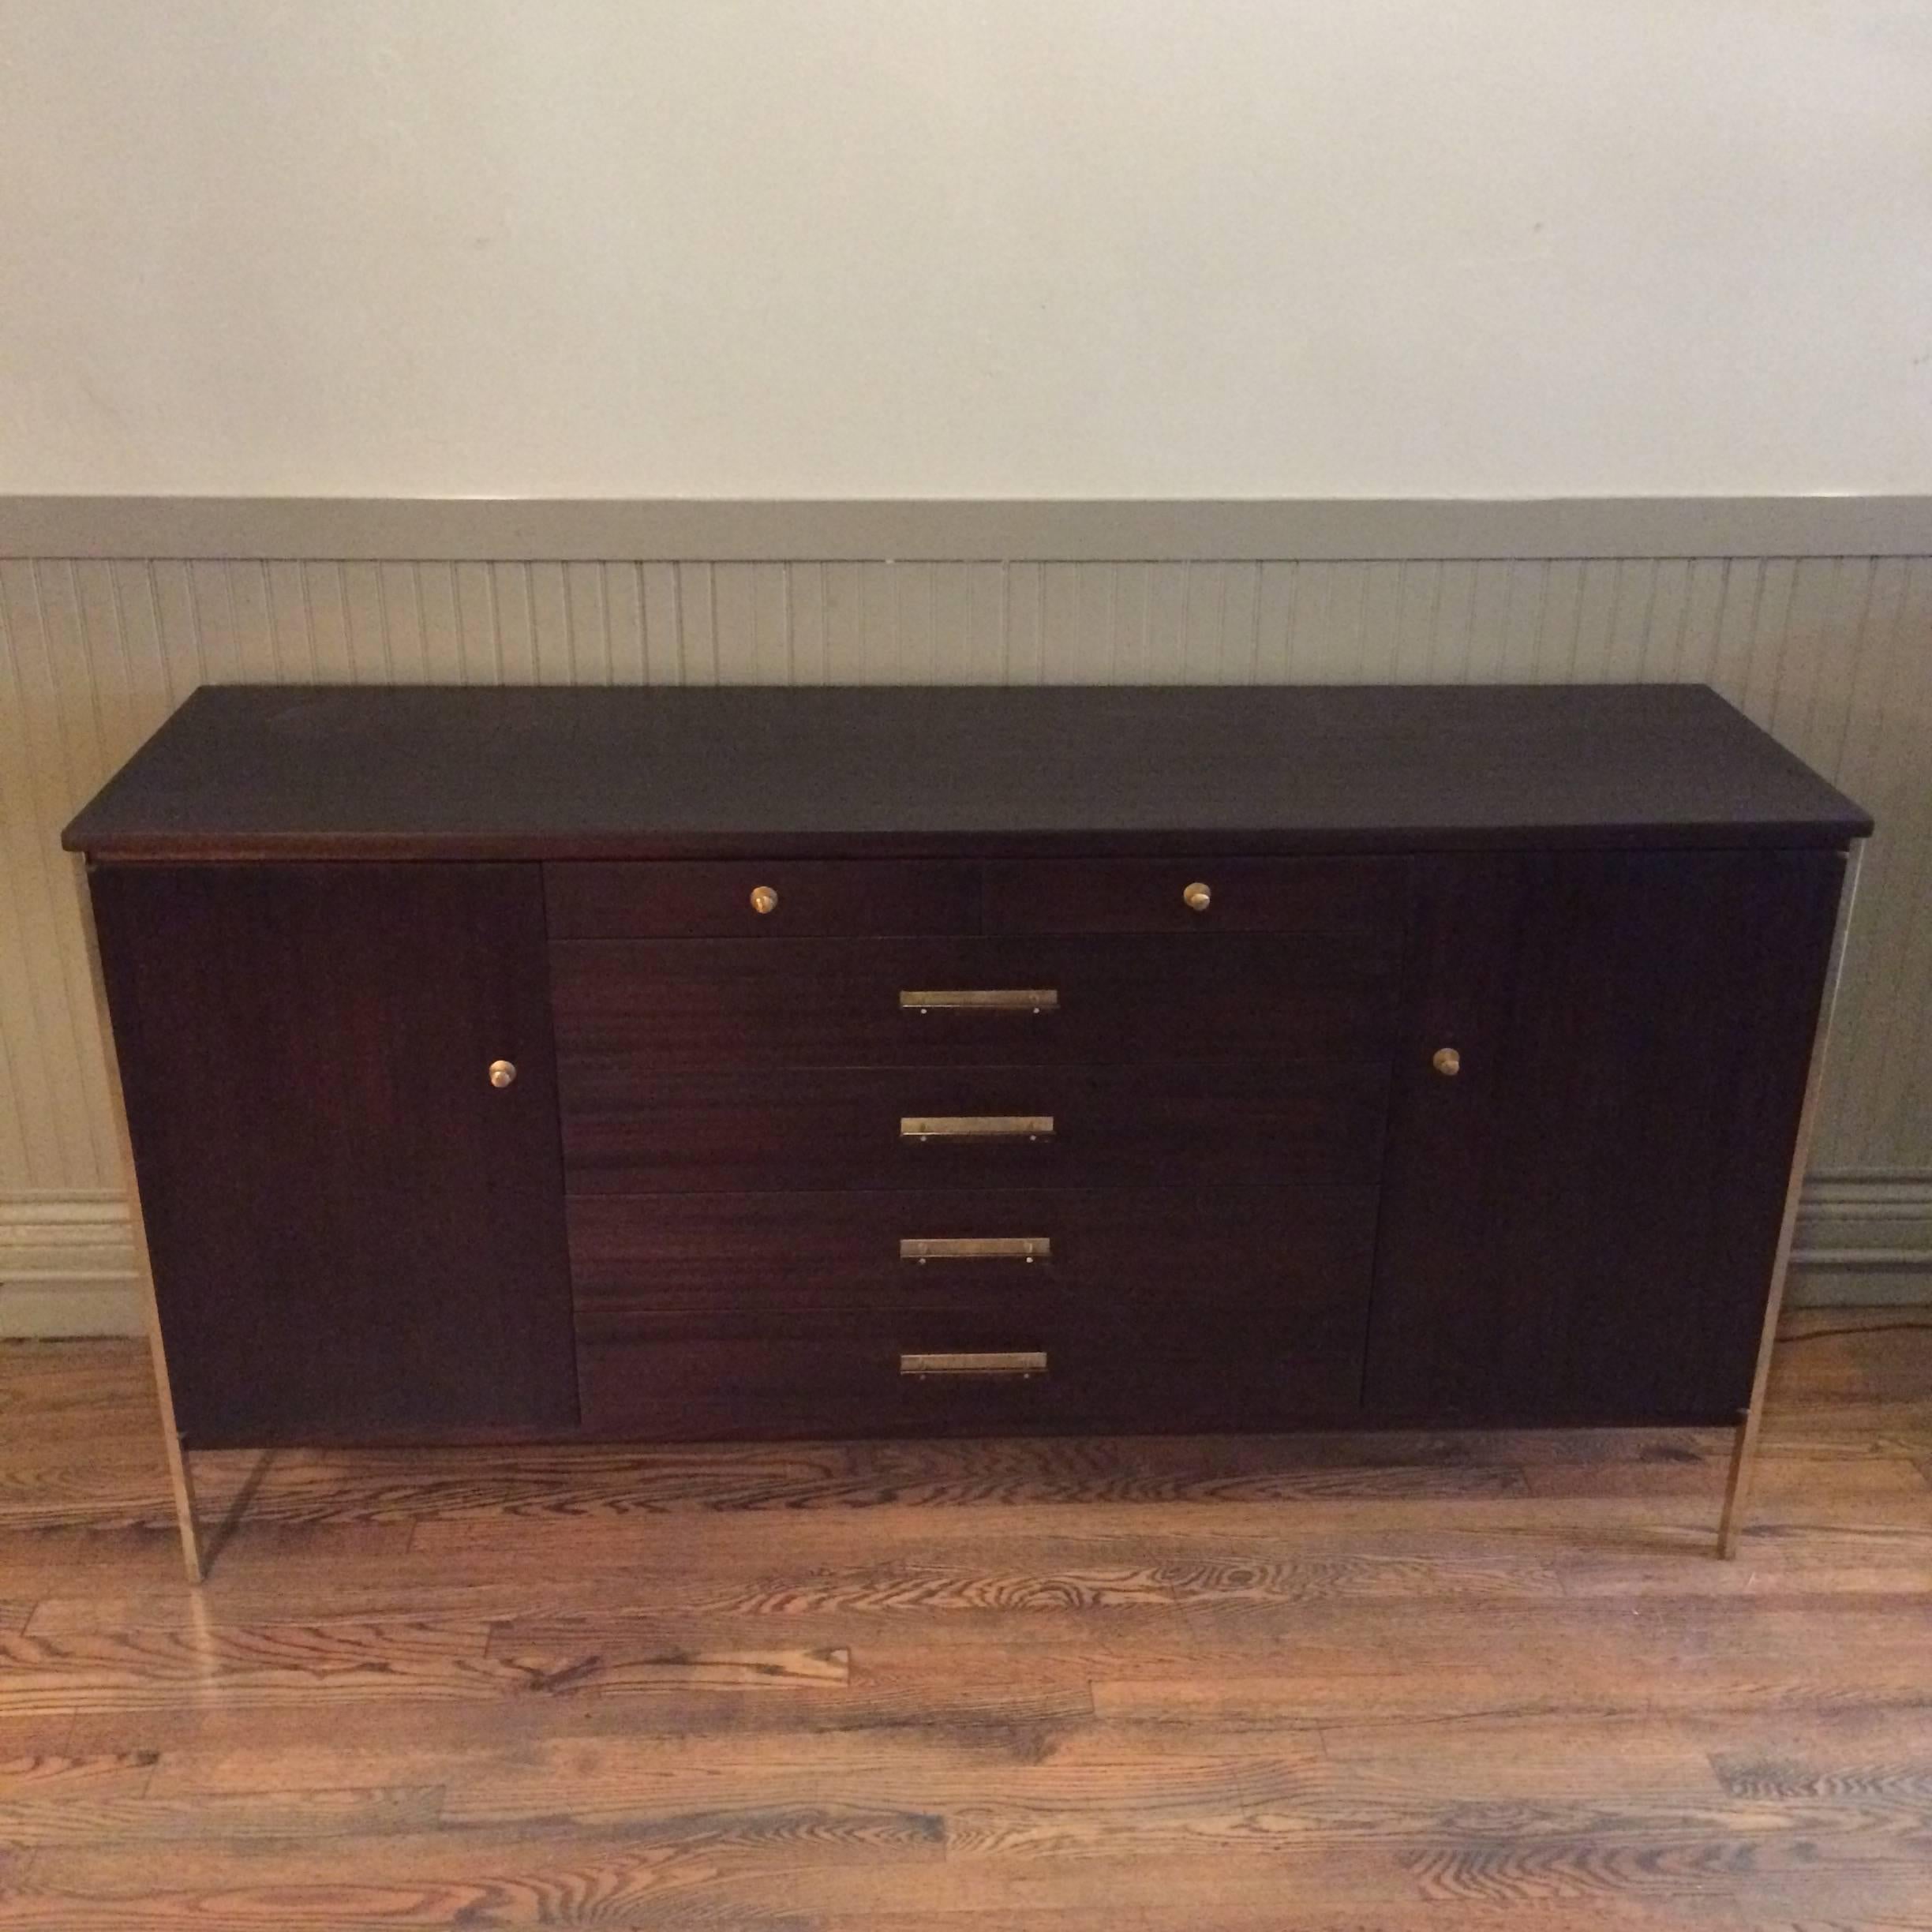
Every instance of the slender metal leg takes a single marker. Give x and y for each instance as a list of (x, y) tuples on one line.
[(180, 1478), (1744, 1446)]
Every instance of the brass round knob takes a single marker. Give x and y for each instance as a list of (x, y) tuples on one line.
[(764, 899), (1198, 897), (1447, 1061), (502, 1072)]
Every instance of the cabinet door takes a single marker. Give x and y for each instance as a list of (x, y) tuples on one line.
[(355, 1233), (1579, 1224)]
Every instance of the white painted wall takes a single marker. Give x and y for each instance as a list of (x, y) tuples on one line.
[(930, 247)]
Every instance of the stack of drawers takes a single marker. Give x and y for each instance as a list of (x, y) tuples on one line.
[(873, 1146)]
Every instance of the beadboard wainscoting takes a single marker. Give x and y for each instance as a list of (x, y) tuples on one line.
[(1832, 654)]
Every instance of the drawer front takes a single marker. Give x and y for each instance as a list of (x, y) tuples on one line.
[(683, 1377), (1351, 903), (809, 898), (1292, 1263), (635, 1008), (1256, 1125)]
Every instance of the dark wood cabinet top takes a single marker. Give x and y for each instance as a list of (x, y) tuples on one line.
[(257, 772)]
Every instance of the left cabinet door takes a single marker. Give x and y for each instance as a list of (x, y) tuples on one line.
[(355, 1233)]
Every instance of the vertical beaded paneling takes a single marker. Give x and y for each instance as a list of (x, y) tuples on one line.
[(1832, 655)]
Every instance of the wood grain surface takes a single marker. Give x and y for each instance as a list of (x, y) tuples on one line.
[(1412, 1682), (847, 772), (1581, 1225), (680, 1005), (1254, 1124), (355, 1234)]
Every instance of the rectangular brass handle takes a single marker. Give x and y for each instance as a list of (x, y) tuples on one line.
[(976, 1247), (994, 999), (991, 1362), (975, 1127)]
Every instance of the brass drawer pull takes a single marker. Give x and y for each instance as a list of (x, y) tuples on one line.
[(995, 999), (976, 1127), (977, 1247), (993, 1362)]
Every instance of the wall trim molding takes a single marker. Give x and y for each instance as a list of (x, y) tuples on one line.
[(740, 530), (1864, 1238), (67, 1264)]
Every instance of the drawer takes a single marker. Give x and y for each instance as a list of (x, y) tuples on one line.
[(1348, 902), (633, 1009), (707, 899), (1291, 1262), (1258, 1124), (683, 1377)]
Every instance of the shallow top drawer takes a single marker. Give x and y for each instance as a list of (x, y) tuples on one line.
[(1349, 899), (750, 899)]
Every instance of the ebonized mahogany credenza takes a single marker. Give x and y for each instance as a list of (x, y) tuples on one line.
[(549, 1064)]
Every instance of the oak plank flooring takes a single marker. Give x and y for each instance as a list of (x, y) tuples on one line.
[(51, 1774), (299, 1664), (1492, 1682), (80, 1817)]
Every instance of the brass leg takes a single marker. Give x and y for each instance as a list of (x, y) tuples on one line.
[(180, 1479), (1744, 1448), (181, 1476)]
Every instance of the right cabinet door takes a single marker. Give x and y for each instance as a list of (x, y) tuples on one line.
[(1580, 1208)]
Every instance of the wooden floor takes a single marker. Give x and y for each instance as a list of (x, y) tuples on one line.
[(1469, 1684)]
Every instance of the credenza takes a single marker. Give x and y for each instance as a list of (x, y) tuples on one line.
[(545, 1064)]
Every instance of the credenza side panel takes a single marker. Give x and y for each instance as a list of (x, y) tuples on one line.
[(355, 1234), (1580, 1224)]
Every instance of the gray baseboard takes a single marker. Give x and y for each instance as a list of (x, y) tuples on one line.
[(67, 1265), (67, 1260), (1864, 1239)]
